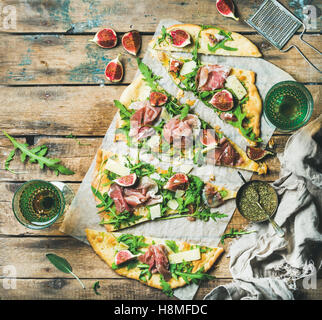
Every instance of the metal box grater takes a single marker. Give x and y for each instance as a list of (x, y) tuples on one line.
[(277, 25)]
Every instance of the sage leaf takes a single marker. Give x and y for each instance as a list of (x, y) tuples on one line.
[(62, 265)]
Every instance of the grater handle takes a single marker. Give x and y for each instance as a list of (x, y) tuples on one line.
[(301, 53)]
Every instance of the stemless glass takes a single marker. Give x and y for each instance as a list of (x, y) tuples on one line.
[(37, 204), (288, 106)]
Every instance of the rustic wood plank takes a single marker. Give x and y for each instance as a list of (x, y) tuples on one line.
[(79, 157), (81, 16), (83, 111), (74, 156), (112, 289), (86, 264), (68, 59)]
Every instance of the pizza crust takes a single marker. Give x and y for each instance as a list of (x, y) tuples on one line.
[(245, 47), (104, 245)]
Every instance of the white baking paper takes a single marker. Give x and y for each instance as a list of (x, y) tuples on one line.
[(83, 212)]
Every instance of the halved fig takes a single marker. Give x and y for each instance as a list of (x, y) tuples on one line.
[(158, 99), (178, 181), (180, 38), (257, 154), (105, 38), (123, 256), (226, 8), (126, 181), (212, 197), (222, 100), (175, 65), (208, 137), (131, 42), (114, 70)]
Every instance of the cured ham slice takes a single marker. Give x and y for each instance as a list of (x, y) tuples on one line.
[(224, 154), (157, 259), (116, 193), (141, 120), (179, 181), (213, 198), (211, 77), (127, 198), (181, 131)]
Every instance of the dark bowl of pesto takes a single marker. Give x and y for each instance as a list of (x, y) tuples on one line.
[(253, 191)]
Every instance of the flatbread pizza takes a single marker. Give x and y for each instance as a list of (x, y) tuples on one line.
[(230, 92), (159, 263), (211, 39), (130, 193)]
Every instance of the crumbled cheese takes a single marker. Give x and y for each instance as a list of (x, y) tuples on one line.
[(190, 255), (173, 204), (235, 85)]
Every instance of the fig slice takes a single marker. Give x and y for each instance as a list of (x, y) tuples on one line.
[(175, 65), (226, 8), (105, 38), (123, 256), (178, 181), (126, 181), (180, 38), (158, 99), (222, 100), (208, 137), (114, 70), (131, 42), (257, 154)]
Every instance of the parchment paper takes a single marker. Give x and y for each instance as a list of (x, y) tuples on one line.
[(83, 212)]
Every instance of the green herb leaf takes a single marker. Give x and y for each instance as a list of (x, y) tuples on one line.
[(96, 286), (172, 245), (166, 288), (62, 265), (36, 155), (149, 77), (124, 112), (233, 233), (133, 242), (164, 35)]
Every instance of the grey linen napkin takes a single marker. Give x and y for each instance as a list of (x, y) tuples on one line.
[(265, 266)]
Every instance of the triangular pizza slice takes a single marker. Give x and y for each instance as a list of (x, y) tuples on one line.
[(130, 193), (158, 263), (211, 40)]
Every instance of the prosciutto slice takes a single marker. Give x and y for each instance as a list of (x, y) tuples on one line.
[(157, 259), (225, 154), (141, 120), (128, 198), (211, 77), (181, 131), (116, 193)]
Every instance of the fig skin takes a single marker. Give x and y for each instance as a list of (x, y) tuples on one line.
[(186, 42), (257, 154), (124, 181), (105, 38), (226, 8), (158, 99), (131, 42), (225, 99), (114, 70)]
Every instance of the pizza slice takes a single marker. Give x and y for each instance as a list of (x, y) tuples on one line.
[(209, 40), (230, 92), (157, 121), (158, 263), (130, 193)]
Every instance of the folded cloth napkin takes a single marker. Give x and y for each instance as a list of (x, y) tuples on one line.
[(265, 266)]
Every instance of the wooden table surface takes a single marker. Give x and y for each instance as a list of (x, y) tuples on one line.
[(53, 85)]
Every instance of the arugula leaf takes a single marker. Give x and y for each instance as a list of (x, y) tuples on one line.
[(233, 233), (36, 154), (106, 201), (184, 112), (223, 193), (145, 274), (8, 160), (149, 77), (194, 277), (133, 242), (96, 286), (220, 45), (124, 112), (172, 245), (124, 218), (62, 265), (164, 35), (166, 288)]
